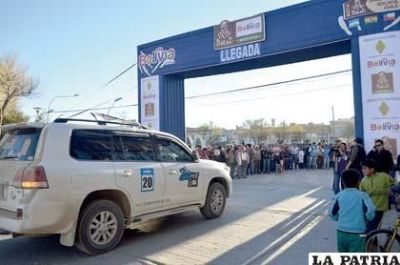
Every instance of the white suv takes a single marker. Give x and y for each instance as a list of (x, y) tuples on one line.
[(87, 182)]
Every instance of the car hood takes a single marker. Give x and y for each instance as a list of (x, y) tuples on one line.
[(211, 163)]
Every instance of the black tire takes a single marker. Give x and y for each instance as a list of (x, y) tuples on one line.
[(89, 216), (386, 235), (215, 201)]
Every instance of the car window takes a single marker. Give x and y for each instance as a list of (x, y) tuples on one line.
[(19, 144), (131, 148), (91, 145), (172, 152)]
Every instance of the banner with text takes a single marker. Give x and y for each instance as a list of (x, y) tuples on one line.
[(380, 79), (150, 102), (240, 32), (353, 259), (359, 8)]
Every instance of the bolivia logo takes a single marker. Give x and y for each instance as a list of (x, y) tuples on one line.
[(384, 109), (380, 46)]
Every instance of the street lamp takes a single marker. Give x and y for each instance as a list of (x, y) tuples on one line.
[(94, 107), (52, 100), (112, 105)]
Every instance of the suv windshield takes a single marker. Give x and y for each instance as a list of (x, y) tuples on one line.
[(19, 144)]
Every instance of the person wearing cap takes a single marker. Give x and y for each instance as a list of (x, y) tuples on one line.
[(357, 155), (377, 185), (382, 157)]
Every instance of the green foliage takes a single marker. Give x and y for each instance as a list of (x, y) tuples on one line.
[(257, 130), (212, 132), (14, 115), (297, 132)]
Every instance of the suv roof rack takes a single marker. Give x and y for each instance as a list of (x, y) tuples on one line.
[(131, 124)]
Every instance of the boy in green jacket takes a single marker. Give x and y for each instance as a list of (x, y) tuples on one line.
[(377, 186)]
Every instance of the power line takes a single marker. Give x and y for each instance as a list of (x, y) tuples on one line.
[(119, 75), (112, 80), (217, 103), (226, 91), (273, 96), (270, 84)]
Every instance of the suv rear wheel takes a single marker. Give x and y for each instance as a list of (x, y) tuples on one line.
[(215, 202), (101, 227)]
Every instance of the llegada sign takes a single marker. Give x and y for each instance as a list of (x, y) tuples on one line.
[(359, 8)]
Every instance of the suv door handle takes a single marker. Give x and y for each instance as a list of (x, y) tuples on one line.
[(127, 173), (173, 172)]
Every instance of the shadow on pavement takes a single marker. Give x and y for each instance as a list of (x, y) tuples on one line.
[(296, 233), (169, 232)]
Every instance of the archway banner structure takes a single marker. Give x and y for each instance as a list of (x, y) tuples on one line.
[(368, 29)]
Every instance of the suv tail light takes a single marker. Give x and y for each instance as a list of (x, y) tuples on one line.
[(31, 178)]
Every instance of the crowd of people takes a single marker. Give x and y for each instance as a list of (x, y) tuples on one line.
[(248, 159)]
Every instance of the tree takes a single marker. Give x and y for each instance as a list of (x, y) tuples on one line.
[(211, 132), (281, 132), (14, 83), (14, 115), (296, 132), (257, 130)]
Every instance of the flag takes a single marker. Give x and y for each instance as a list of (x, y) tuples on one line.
[(371, 20), (355, 23), (389, 17)]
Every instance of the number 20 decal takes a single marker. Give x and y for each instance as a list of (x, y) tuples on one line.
[(147, 179)]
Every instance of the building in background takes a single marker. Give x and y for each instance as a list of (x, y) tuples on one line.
[(282, 133)]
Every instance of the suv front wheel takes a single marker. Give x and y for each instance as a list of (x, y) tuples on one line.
[(215, 201), (101, 227)]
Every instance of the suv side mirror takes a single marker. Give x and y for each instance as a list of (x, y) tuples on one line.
[(195, 155)]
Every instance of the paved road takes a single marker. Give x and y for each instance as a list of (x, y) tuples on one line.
[(270, 219)]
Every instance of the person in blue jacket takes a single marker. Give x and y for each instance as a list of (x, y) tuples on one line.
[(351, 208)]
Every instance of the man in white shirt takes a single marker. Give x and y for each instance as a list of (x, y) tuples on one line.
[(243, 162)]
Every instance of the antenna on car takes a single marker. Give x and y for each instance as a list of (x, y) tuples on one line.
[(102, 122)]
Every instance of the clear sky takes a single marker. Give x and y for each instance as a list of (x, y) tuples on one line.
[(76, 46)]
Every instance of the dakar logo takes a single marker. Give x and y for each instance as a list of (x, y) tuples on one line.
[(225, 35), (359, 8), (160, 57)]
